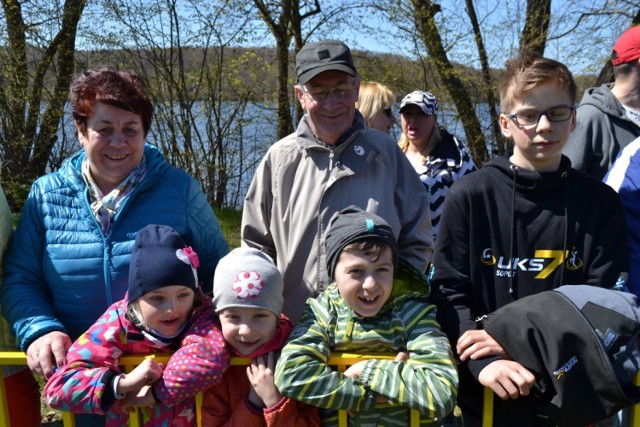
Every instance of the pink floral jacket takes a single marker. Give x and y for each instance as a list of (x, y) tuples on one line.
[(83, 385)]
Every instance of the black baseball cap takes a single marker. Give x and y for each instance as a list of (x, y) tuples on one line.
[(326, 55)]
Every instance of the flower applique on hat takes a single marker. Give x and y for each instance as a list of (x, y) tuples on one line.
[(248, 284), (247, 277), (190, 257)]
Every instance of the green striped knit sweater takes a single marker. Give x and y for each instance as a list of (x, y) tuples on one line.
[(428, 381)]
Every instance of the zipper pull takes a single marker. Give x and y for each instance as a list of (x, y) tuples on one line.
[(331, 158)]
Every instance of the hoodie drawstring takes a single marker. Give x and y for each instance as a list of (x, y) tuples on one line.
[(513, 228), (566, 227)]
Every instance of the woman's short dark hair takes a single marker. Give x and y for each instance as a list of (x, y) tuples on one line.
[(119, 88)]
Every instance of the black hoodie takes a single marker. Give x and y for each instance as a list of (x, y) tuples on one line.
[(507, 233)]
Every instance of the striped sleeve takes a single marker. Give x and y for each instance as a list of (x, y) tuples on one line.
[(428, 380), (302, 372)]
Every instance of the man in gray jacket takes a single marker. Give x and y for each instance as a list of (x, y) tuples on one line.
[(331, 161), (609, 115)]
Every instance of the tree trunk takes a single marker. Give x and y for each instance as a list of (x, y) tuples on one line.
[(536, 26), (28, 133), (424, 14), (280, 31), (500, 145)]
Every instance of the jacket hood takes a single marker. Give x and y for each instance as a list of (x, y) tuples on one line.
[(449, 150), (530, 181), (601, 98)]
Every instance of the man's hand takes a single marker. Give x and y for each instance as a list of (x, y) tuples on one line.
[(47, 350), (476, 344), (508, 379)]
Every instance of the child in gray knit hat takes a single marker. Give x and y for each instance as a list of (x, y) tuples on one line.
[(247, 294), (376, 304)]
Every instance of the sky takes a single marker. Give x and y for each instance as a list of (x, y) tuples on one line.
[(584, 49)]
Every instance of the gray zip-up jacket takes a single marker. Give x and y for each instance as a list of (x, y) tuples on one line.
[(301, 183), (603, 129)]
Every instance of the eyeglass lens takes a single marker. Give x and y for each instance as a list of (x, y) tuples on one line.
[(532, 117), (322, 93)]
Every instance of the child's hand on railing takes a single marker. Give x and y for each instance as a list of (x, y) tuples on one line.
[(401, 357), (144, 398), (146, 373), (263, 389)]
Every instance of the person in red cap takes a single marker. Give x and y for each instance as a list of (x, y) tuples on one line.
[(609, 115)]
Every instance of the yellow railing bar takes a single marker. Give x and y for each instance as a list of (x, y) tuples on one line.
[(4, 410), (340, 360), (487, 408), (635, 409)]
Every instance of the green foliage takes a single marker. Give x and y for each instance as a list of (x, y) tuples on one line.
[(230, 220)]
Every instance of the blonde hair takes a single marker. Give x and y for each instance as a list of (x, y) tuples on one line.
[(434, 138), (528, 71), (373, 97)]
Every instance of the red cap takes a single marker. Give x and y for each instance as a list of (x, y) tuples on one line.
[(627, 47)]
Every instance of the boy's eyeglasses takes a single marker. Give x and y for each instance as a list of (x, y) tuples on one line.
[(532, 117), (320, 94), (387, 112)]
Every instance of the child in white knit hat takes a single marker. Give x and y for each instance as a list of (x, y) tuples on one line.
[(247, 294)]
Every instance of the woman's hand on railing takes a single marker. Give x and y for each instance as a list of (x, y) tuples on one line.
[(47, 350)]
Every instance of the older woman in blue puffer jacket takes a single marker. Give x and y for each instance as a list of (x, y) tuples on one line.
[(69, 259)]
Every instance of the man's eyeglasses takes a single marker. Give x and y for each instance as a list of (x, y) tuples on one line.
[(387, 112), (320, 93), (532, 117)]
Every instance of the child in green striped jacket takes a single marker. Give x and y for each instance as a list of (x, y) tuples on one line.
[(377, 304)]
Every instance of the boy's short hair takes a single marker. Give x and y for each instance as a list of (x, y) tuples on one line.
[(373, 248), (528, 71)]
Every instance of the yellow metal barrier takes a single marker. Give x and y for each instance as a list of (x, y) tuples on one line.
[(340, 360)]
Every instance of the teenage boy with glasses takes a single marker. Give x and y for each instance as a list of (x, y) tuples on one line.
[(330, 162), (519, 226)]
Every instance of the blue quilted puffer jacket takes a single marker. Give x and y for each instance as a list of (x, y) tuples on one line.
[(61, 273)]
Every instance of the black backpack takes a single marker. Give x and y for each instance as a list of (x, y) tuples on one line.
[(581, 343)]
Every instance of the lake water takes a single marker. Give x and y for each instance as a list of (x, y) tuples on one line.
[(246, 140)]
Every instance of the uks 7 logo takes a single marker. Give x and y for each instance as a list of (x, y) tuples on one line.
[(545, 261)]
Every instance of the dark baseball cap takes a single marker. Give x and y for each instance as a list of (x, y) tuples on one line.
[(326, 55)]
